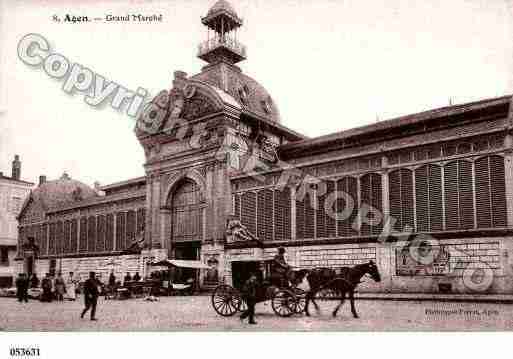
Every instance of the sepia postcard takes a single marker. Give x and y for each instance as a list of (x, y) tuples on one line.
[(255, 166)]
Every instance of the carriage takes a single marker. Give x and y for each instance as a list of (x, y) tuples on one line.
[(285, 301), (323, 284)]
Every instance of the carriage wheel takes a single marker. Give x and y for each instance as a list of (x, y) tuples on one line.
[(284, 303), (300, 300), (226, 300)]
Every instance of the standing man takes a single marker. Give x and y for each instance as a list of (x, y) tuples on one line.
[(46, 285), (22, 285), (279, 269), (249, 295), (91, 294)]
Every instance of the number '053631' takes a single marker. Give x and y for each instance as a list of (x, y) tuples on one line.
[(23, 352)]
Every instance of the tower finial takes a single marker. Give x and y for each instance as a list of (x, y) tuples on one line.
[(223, 46)]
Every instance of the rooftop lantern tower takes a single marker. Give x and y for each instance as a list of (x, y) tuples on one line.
[(222, 23)]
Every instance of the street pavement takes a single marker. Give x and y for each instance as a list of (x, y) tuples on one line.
[(185, 313)]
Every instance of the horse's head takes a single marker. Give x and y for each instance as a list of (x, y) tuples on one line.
[(372, 269)]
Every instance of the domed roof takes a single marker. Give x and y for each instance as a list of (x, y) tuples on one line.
[(53, 194), (251, 95), (222, 5)]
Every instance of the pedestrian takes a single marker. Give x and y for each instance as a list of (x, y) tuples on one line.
[(91, 294), (22, 285), (71, 287), (60, 287), (127, 279), (34, 281), (112, 280), (46, 285), (249, 295), (137, 277)]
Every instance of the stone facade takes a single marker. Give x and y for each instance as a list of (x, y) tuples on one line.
[(13, 192)]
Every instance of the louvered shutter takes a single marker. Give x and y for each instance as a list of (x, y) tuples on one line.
[(309, 217), (236, 204), (394, 194), (44, 240), (498, 191), (82, 243), (422, 198), (435, 198), (331, 224), (91, 234), (300, 218), (51, 239), (466, 195), (100, 234), (73, 247), (483, 207), (320, 230), (248, 206), (120, 231), (451, 196), (282, 214), (109, 232), (401, 198), (371, 194), (66, 237), (349, 185), (265, 215)]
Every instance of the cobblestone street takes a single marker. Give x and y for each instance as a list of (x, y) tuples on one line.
[(196, 313)]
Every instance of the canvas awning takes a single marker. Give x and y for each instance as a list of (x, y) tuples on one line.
[(181, 263)]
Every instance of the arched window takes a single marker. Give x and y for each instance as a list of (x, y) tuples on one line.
[(305, 217), (349, 185), (247, 211), (282, 214), (265, 215), (459, 195), (91, 234), (490, 192), (73, 241), (187, 212), (401, 198), (325, 225), (428, 197), (371, 194)]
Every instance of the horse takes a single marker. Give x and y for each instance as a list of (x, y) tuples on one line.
[(341, 284)]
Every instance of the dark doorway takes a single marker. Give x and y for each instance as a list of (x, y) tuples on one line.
[(242, 270), (186, 251)]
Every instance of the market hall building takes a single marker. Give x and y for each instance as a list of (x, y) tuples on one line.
[(215, 189)]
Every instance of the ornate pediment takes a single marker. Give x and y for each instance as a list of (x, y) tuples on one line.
[(171, 110)]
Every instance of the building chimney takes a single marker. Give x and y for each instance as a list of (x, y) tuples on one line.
[(16, 168), (42, 179)]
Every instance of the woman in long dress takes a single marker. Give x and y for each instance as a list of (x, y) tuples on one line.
[(71, 287), (60, 287)]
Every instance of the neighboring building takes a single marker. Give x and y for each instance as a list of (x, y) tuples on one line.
[(446, 172), (13, 192)]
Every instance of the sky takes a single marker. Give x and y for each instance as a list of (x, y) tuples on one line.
[(329, 66)]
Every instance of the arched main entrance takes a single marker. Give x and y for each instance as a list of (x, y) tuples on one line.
[(187, 216)]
